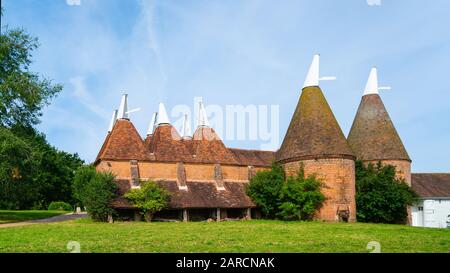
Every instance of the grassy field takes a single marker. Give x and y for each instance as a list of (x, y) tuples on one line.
[(242, 236), (13, 216)]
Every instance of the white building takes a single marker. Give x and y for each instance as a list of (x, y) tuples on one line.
[(433, 209)]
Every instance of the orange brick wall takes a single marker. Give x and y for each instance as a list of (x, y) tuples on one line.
[(121, 169), (168, 171), (235, 173), (158, 171), (403, 168), (199, 172), (338, 176)]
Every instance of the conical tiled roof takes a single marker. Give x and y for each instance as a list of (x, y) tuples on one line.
[(314, 131), (123, 143), (166, 144), (373, 135), (209, 148)]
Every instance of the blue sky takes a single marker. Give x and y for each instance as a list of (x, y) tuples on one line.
[(240, 52)]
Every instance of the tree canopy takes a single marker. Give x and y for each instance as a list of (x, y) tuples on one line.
[(32, 172), (149, 199), (95, 190), (23, 93), (292, 198), (380, 196)]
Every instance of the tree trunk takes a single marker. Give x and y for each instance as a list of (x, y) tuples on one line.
[(148, 216)]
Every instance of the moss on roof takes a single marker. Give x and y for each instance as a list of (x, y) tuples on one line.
[(373, 135), (314, 131)]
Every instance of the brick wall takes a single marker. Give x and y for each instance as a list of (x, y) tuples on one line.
[(338, 176), (168, 171), (121, 169), (158, 170), (235, 173)]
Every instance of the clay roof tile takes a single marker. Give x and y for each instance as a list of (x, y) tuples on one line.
[(373, 135), (314, 131), (123, 143)]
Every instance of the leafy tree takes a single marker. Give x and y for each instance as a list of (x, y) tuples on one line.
[(17, 190), (380, 196), (292, 198), (82, 178), (149, 199), (33, 173), (301, 197), (265, 189), (23, 93), (95, 190)]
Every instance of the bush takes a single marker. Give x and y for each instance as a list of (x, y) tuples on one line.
[(95, 190), (149, 199), (265, 189), (60, 206), (380, 196), (301, 197), (294, 198)]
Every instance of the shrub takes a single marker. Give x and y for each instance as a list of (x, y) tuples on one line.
[(294, 198), (380, 196), (265, 188), (301, 197), (95, 190), (149, 199), (60, 206)]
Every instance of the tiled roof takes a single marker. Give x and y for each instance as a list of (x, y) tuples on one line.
[(208, 148), (373, 135), (198, 195), (314, 131), (166, 144), (431, 184), (123, 143), (253, 157)]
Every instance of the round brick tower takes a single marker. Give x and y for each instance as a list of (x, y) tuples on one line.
[(373, 137), (315, 142)]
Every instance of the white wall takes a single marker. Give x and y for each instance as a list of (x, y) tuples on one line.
[(431, 213)]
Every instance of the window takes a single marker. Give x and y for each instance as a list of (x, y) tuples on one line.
[(420, 208)]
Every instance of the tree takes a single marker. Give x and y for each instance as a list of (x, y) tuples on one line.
[(149, 199), (95, 190), (23, 93), (265, 189), (293, 198), (380, 196), (33, 173), (16, 185)]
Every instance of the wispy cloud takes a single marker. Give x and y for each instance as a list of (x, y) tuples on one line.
[(86, 99)]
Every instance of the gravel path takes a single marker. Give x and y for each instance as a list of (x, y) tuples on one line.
[(54, 219)]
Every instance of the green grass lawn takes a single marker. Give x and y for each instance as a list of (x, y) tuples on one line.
[(13, 216), (242, 236)]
